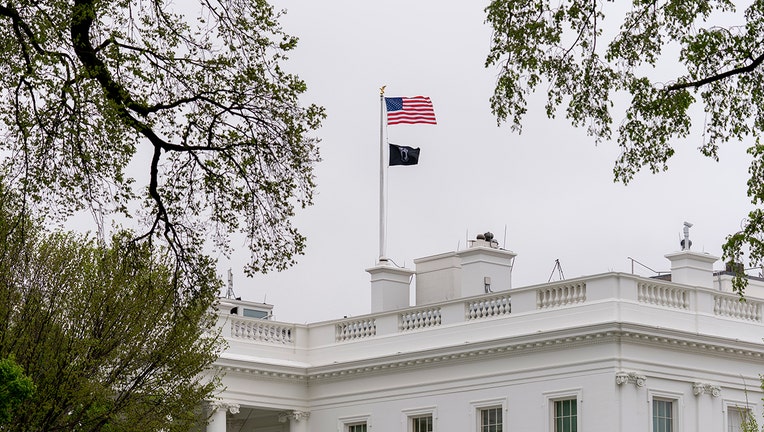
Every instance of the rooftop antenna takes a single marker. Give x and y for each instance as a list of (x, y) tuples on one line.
[(635, 261), (558, 267), (230, 294), (686, 243), (504, 246)]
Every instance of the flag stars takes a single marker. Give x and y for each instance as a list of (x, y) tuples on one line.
[(394, 104)]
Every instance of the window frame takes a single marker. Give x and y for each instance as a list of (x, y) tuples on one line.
[(344, 423), (408, 416), (352, 426), (730, 405), (479, 405), (413, 422), (552, 397), (669, 418), (676, 408), (254, 313)]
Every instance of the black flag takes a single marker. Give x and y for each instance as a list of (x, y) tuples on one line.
[(402, 155)]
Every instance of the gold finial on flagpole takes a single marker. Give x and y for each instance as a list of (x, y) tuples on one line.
[(382, 90)]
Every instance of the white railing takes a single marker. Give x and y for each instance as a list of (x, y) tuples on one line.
[(257, 330), (663, 295), (561, 295), (517, 302), (733, 307), (419, 319), (355, 329), (488, 307)]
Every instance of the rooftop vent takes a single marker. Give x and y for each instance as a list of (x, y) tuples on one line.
[(485, 240)]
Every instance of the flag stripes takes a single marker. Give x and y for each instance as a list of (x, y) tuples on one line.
[(410, 110)]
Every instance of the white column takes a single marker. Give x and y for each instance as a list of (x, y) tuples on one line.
[(709, 406), (633, 397), (218, 420)]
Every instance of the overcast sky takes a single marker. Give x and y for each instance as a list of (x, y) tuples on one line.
[(551, 188)]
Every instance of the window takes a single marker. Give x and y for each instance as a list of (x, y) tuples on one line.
[(420, 419), (563, 408), (489, 414), (356, 423), (421, 424), (665, 410), (254, 313), (357, 427), (566, 415), (491, 419), (663, 415), (737, 417)]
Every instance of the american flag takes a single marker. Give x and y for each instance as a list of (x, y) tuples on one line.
[(409, 110)]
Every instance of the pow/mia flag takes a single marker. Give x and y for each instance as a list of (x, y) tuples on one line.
[(403, 155)]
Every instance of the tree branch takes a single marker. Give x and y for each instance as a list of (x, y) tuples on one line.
[(83, 15), (718, 77)]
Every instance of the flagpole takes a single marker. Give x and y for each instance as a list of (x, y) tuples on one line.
[(382, 180)]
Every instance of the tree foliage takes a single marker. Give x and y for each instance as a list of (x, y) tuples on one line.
[(104, 332), (15, 388), (193, 91), (585, 65)]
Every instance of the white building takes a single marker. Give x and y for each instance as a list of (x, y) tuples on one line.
[(604, 353)]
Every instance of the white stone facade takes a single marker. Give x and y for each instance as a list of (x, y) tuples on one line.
[(620, 349)]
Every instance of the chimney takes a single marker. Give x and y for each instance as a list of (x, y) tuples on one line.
[(479, 269), (691, 268), (389, 287)]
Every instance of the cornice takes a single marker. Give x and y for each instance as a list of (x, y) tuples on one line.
[(514, 346), (692, 342), (260, 370), (467, 352)]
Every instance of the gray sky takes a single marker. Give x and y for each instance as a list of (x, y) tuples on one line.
[(551, 187)]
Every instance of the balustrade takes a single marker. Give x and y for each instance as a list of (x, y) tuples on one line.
[(488, 307), (498, 305), (356, 329), (663, 295), (420, 318), (261, 331), (561, 295), (733, 307)]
